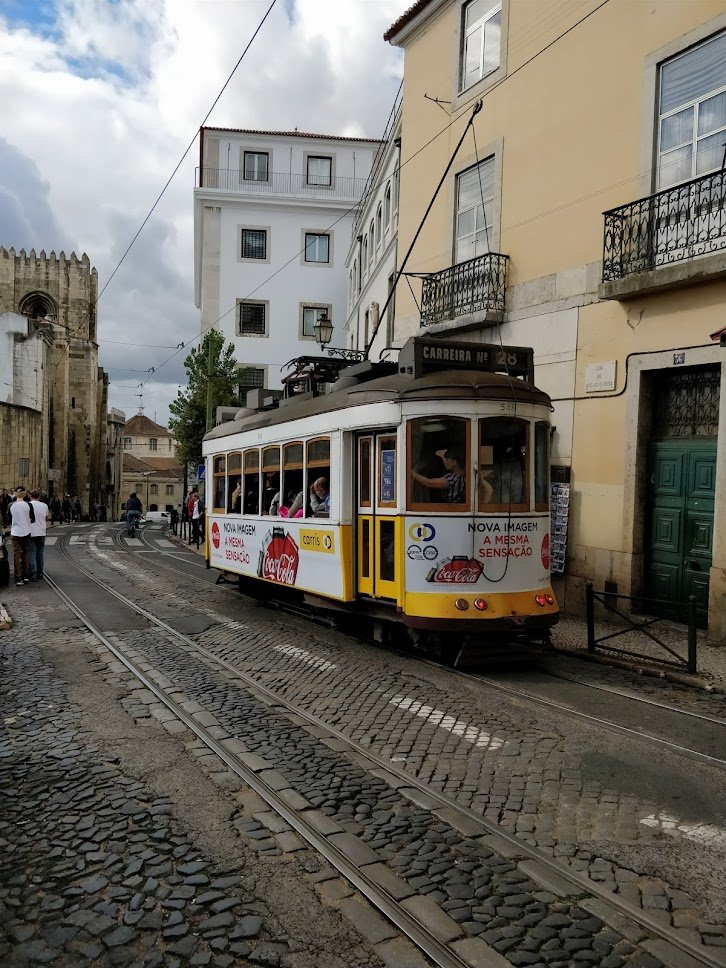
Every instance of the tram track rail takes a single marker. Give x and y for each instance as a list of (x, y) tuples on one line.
[(414, 929), (529, 696)]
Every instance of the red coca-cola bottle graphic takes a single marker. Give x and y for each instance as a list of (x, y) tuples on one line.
[(281, 558), (459, 570)]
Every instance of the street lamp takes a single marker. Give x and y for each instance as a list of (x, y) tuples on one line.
[(323, 329)]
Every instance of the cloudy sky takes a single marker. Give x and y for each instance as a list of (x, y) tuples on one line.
[(100, 98)]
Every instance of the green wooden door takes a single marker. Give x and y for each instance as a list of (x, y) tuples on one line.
[(681, 500)]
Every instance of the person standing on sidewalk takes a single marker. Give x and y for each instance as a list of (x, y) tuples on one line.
[(20, 533), (36, 548)]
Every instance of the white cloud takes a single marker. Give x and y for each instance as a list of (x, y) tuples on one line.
[(100, 100)]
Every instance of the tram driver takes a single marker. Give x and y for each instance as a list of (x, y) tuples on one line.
[(453, 481)]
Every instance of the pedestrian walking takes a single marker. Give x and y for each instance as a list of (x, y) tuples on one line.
[(36, 546), (20, 533), (5, 502), (67, 509)]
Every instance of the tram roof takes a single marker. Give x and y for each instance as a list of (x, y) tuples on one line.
[(394, 388)]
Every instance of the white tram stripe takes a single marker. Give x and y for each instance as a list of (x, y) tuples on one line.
[(704, 833), (472, 734), (304, 656)]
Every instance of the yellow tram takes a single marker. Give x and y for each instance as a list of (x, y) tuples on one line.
[(414, 494)]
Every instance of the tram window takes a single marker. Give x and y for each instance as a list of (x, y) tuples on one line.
[(251, 496), (219, 475), (438, 463), (366, 549), (364, 472), (291, 492), (503, 476), (270, 480), (234, 483), (387, 472), (541, 466), (386, 551), (318, 476)]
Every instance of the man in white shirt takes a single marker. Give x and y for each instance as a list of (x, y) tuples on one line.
[(36, 548), (20, 533)]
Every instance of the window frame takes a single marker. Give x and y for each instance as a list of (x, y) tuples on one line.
[(694, 105), (382, 439), (467, 32), (439, 506), (234, 469), (506, 507), (153, 443), (488, 229), (265, 309), (312, 233), (257, 231), (257, 153), (219, 472), (248, 470), (316, 307), (313, 156), (243, 390)]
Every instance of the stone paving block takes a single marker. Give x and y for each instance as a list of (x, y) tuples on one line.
[(478, 954), (293, 799), (273, 778), (174, 727), (430, 914), (390, 779), (273, 821), (205, 718), (251, 802), (550, 880), (469, 826), (354, 849), (235, 746), (288, 842), (624, 925), (334, 890), (390, 882), (427, 801), (501, 846), (322, 822), (366, 920), (672, 956), (400, 953)]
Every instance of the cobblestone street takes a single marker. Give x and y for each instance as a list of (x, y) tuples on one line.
[(126, 840)]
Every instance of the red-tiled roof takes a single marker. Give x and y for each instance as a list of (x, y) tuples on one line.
[(142, 426), (405, 18), (297, 134)]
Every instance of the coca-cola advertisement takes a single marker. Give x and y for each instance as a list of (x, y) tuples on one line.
[(459, 570), (279, 557)]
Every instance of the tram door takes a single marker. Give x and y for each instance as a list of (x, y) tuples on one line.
[(377, 465)]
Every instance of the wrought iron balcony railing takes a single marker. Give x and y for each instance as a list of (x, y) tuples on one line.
[(676, 224), (280, 183), (468, 287)]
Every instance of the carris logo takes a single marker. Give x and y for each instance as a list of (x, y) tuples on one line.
[(422, 532)]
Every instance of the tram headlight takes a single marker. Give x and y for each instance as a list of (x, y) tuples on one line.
[(541, 600), (480, 604), (549, 599), (461, 604)]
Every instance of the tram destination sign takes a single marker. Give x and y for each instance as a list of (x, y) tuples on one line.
[(422, 355)]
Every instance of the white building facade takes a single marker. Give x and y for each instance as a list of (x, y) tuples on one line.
[(273, 215), (371, 261)]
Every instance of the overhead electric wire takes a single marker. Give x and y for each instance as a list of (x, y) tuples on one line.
[(186, 151)]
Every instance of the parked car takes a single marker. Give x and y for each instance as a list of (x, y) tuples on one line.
[(157, 517)]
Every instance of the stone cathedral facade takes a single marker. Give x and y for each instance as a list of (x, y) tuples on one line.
[(53, 394)]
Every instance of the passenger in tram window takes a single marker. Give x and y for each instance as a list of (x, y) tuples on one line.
[(271, 493), (511, 477), (320, 497), (235, 501), (453, 481), (296, 508), (486, 470)]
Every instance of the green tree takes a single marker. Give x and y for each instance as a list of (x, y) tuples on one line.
[(188, 411)]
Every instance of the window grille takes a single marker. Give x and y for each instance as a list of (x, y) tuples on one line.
[(254, 244), (252, 319), (253, 378), (686, 402)]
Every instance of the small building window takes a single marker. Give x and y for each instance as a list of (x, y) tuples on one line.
[(254, 244), (153, 442), (379, 225), (481, 41), (154, 489), (169, 489), (252, 378), (256, 166), (319, 170), (317, 247), (309, 317), (252, 319), (388, 204), (127, 443), (474, 206)]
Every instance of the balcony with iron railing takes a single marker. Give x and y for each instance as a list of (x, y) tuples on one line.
[(673, 238), (281, 183), (474, 288)]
